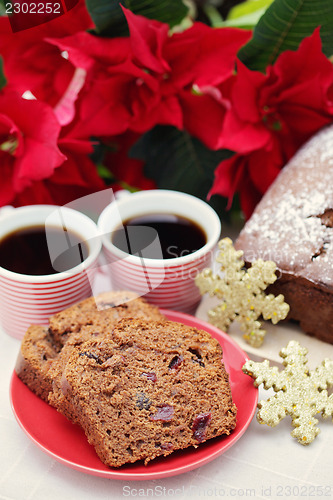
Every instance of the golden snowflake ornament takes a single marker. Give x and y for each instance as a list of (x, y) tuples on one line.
[(242, 293), (300, 393)]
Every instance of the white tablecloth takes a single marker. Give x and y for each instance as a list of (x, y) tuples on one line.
[(264, 463)]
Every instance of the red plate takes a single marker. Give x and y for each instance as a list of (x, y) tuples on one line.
[(66, 442)]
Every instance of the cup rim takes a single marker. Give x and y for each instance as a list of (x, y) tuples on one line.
[(94, 249), (215, 226)]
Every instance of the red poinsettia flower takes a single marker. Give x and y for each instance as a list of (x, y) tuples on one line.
[(153, 78), (270, 117), (75, 177), (101, 110), (30, 61), (125, 170), (29, 133)]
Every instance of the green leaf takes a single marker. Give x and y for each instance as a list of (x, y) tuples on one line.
[(176, 160), (110, 20), (245, 22), (2, 8), (283, 26), (245, 15), (3, 80), (248, 7)]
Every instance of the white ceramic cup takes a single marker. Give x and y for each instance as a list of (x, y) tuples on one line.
[(167, 283), (29, 299)]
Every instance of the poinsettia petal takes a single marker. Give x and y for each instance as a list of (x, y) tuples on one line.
[(26, 70), (85, 50), (77, 176), (77, 170), (300, 124), (167, 111), (227, 177), (181, 51), (7, 192), (203, 117), (126, 169), (50, 192), (264, 166), (305, 63), (97, 114), (241, 136), (148, 38), (233, 175), (39, 154), (246, 92), (73, 21), (65, 107), (27, 55), (38, 162), (218, 51)]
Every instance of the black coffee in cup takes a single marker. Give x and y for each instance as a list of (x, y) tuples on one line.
[(177, 235), (27, 250)]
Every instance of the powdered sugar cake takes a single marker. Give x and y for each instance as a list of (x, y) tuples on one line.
[(293, 226)]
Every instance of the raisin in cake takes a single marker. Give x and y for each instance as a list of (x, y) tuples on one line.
[(153, 388), (39, 360), (36, 355), (293, 226)]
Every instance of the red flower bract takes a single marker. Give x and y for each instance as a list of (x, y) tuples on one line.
[(154, 78), (75, 177), (126, 170), (270, 117), (30, 61), (28, 143)]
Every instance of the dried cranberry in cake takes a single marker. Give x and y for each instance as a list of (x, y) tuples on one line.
[(200, 425), (175, 362), (126, 415), (166, 446), (164, 413)]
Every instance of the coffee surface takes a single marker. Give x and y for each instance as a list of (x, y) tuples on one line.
[(26, 250), (159, 236)]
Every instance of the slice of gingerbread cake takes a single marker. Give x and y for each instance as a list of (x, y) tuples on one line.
[(41, 359), (153, 388), (293, 226)]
